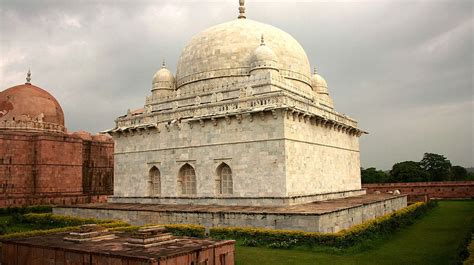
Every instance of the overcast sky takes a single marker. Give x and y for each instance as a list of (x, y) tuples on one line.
[(403, 69)]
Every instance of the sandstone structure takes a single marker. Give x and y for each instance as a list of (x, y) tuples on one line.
[(95, 245), (42, 163), (242, 122), (423, 191)]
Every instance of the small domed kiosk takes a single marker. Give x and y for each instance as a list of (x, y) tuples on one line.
[(163, 83), (320, 88)]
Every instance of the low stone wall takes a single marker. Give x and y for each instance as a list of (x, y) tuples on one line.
[(238, 201), (433, 190), (333, 220)]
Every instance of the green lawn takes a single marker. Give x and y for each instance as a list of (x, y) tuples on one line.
[(434, 239)]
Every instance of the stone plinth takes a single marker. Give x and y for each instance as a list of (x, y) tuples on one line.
[(324, 216)]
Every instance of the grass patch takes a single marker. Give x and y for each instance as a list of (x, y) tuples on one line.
[(437, 238)]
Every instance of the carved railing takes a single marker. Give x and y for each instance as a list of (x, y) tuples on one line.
[(242, 71), (272, 100), (187, 93), (31, 125)]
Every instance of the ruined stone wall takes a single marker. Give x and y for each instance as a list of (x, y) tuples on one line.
[(441, 190), (47, 168), (98, 167)]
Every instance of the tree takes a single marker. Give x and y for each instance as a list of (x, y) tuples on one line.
[(458, 173), (408, 171), (437, 166), (372, 175)]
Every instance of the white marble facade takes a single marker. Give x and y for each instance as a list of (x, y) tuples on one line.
[(243, 122)]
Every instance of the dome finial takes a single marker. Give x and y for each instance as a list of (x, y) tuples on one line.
[(28, 77), (262, 41), (314, 70), (163, 64), (242, 9)]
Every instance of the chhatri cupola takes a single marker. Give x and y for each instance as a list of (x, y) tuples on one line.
[(263, 58), (163, 82), (321, 90)]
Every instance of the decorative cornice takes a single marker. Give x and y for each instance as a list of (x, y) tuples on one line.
[(31, 126), (286, 112)]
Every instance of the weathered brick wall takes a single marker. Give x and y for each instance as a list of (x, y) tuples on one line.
[(16, 160), (50, 168), (59, 164), (444, 190), (98, 167)]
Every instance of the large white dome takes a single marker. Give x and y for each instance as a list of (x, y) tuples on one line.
[(225, 50)]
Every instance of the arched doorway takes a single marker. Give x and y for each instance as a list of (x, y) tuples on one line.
[(187, 180), (155, 181), (224, 179)]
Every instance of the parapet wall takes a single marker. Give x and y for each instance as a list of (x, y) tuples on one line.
[(436, 190)]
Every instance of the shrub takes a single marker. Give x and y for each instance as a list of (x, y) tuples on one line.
[(48, 219), (62, 224), (3, 229), (469, 252), (175, 229), (284, 244), (186, 230), (345, 238), (39, 232), (69, 223), (250, 242), (17, 218), (26, 209)]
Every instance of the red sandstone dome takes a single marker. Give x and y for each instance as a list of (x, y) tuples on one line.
[(30, 103)]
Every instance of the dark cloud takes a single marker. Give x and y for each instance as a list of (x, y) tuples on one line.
[(402, 68)]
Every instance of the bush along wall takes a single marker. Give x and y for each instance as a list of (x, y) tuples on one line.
[(288, 238), (48, 219), (190, 230), (57, 223), (26, 209)]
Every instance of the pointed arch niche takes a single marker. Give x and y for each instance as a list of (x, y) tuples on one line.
[(224, 182), (187, 180), (154, 181)]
